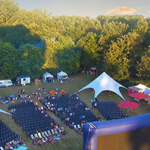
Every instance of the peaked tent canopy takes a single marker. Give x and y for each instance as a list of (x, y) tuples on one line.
[(62, 76), (102, 83), (4, 112), (46, 76)]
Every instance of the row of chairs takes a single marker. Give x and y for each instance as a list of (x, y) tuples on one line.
[(6, 134), (19, 105), (110, 110), (47, 133), (32, 119), (70, 107)]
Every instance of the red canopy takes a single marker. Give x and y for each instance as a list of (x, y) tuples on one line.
[(138, 96), (128, 104)]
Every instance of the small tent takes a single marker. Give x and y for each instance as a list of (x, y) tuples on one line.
[(62, 76), (63, 92), (47, 77), (140, 88), (104, 83)]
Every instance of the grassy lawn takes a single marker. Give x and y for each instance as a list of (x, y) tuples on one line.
[(72, 141)]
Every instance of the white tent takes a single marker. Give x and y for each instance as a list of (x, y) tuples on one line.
[(143, 89), (2, 111), (62, 76), (102, 83), (47, 76), (141, 86)]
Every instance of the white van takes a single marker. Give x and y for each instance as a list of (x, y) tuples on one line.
[(5, 83)]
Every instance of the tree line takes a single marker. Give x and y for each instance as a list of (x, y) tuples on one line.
[(32, 42)]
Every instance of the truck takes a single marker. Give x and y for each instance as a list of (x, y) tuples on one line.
[(23, 80)]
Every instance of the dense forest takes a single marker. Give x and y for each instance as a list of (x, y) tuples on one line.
[(32, 42)]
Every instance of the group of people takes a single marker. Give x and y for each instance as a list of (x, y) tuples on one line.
[(94, 102), (46, 139), (48, 80), (8, 99), (38, 141), (14, 144)]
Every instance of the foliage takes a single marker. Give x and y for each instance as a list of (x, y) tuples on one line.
[(30, 60), (41, 42), (69, 60), (143, 67), (88, 47), (8, 57)]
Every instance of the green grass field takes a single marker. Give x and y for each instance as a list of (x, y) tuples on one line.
[(72, 141)]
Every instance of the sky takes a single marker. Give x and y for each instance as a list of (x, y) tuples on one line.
[(88, 8)]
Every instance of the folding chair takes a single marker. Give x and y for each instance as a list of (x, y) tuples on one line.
[(78, 126), (52, 131), (46, 133), (39, 134), (43, 135), (35, 135), (1, 148), (32, 137), (75, 127), (49, 132)]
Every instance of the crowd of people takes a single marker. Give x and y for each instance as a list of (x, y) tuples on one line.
[(45, 139), (14, 144), (24, 98)]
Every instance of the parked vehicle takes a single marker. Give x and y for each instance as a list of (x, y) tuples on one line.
[(23, 80), (6, 83)]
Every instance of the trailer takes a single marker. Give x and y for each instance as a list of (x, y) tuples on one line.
[(23, 80), (6, 83)]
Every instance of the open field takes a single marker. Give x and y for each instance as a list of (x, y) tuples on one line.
[(72, 141)]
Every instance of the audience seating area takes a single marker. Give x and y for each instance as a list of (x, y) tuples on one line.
[(8, 136), (35, 120), (70, 109), (110, 110)]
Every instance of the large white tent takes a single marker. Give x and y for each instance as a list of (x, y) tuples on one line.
[(104, 83), (2, 111)]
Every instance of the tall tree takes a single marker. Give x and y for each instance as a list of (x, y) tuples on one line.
[(8, 61), (30, 60), (143, 69), (69, 60), (7, 10), (88, 47)]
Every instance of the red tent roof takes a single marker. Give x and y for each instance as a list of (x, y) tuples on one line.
[(138, 96), (128, 104)]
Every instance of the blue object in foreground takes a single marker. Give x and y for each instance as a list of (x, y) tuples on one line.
[(93, 131), (21, 148)]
